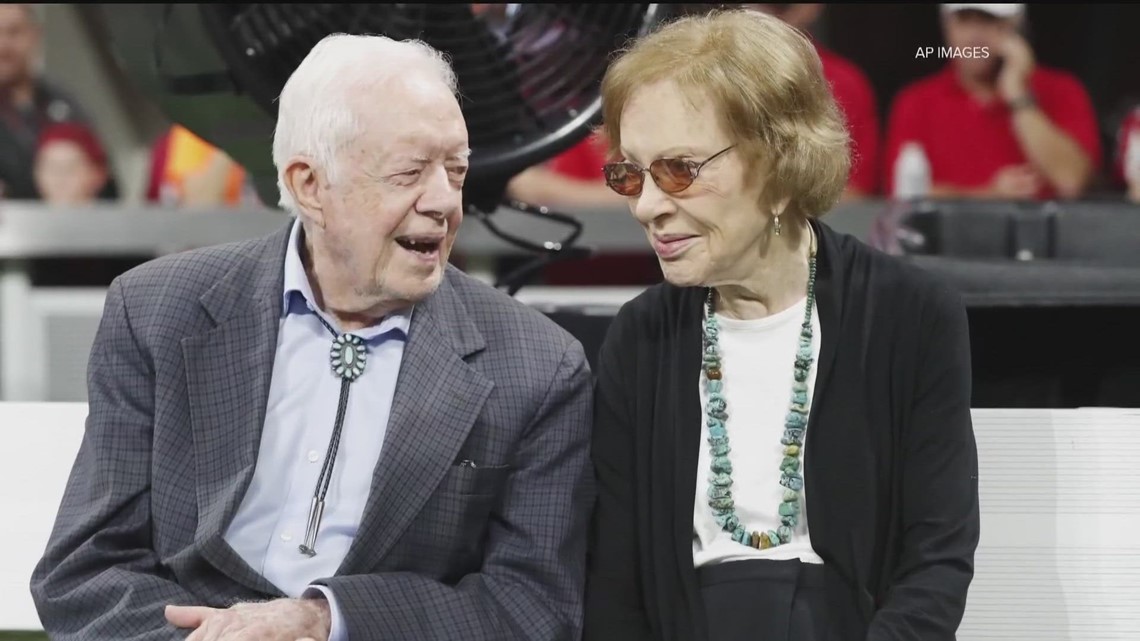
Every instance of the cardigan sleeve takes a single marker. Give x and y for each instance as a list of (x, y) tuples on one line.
[(614, 605), (940, 520)]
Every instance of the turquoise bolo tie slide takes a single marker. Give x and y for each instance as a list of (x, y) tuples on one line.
[(348, 356)]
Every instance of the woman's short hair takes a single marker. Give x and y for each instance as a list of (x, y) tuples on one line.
[(766, 82)]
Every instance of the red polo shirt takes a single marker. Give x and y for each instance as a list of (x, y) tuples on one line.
[(582, 161), (852, 92), (856, 100), (967, 142)]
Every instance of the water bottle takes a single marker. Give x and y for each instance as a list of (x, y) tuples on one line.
[(912, 173), (1132, 164), (912, 182)]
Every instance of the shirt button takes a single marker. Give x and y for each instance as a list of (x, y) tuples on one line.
[(286, 537), (313, 456)]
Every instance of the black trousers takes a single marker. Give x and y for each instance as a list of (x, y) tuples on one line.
[(763, 600)]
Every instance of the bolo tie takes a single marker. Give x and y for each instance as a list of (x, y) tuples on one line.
[(348, 357)]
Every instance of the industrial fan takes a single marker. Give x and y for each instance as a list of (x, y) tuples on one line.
[(529, 78)]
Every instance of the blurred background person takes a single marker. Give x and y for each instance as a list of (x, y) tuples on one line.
[(70, 165), (572, 178), (851, 89), (1127, 167), (28, 102), (998, 125)]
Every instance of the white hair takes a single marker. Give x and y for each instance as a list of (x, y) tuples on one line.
[(315, 115)]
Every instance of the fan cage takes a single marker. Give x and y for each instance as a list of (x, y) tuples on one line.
[(529, 74)]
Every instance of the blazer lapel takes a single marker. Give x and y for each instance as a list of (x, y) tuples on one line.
[(228, 372), (437, 400)]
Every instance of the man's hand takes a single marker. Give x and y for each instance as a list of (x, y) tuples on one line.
[(1017, 56), (279, 620), (1015, 181)]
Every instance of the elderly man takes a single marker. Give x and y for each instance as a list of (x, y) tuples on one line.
[(330, 432)]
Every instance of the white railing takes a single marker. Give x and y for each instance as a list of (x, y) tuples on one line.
[(1059, 558)]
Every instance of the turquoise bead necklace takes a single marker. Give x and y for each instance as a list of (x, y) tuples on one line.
[(795, 424)]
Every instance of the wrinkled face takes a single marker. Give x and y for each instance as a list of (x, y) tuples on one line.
[(18, 40), (392, 214), (65, 175), (712, 232), (971, 28)]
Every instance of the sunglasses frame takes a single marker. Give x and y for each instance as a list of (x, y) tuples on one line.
[(693, 166)]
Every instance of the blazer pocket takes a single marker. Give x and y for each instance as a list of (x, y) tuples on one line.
[(474, 481)]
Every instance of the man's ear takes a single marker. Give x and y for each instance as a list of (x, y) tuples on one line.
[(304, 184)]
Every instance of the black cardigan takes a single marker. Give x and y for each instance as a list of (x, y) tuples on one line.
[(890, 459)]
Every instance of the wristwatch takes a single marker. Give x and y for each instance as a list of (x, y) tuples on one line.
[(1024, 101)]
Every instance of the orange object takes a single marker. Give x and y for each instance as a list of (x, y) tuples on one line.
[(181, 153)]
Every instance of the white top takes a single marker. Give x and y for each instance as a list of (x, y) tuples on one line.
[(757, 367)]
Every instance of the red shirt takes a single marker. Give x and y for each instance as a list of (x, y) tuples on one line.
[(967, 142), (856, 100), (852, 92), (582, 161)]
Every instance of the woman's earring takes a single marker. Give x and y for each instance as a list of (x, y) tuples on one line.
[(776, 224)]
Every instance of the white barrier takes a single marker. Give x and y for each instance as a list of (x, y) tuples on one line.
[(1059, 558), (39, 441)]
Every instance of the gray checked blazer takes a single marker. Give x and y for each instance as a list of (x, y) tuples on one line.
[(178, 384)]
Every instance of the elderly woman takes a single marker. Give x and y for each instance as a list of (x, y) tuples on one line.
[(783, 435)]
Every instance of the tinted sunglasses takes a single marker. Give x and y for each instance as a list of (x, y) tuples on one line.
[(672, 175)]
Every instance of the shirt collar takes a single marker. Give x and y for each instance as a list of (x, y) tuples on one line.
[(298, 298)]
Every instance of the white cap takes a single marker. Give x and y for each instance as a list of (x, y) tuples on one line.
[(1000, 10)]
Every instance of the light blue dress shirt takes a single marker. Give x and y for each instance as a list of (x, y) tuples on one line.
[(303, 397)]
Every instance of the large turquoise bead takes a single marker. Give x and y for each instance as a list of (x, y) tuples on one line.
[(721, 479), (715, 387), (789, 521), (792, 481), (790, 464), (792, 439), (720, 449), (718, 431), (727, 521), (791, 495), (713, 421), (718, 491), (722, 464), (785, 533), (794, 433), (789, 508), (725, 503), (793, 419)]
